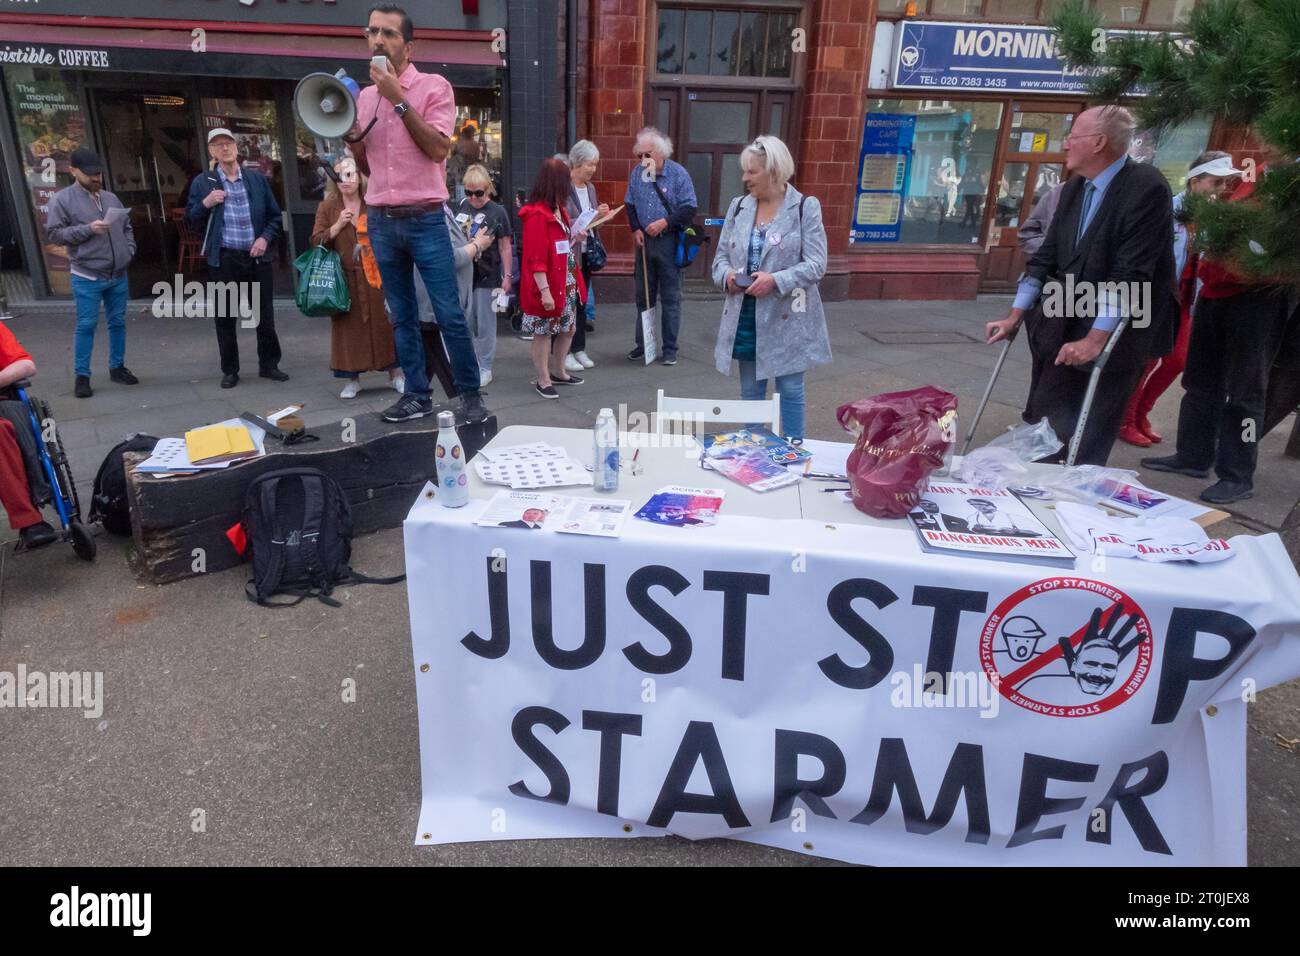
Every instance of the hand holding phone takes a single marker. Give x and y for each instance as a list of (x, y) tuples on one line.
[(742, 280)]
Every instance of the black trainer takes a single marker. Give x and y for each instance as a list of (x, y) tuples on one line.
[(122, 375), (38, 535), (82, 388), (1175, 465), (1226, 492), (472, 408), (408, 408), (670, 358), (546, 391), (636, 355)]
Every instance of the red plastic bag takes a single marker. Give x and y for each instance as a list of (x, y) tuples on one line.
[(902, 437)]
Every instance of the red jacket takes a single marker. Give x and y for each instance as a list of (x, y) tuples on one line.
[(541, 233)]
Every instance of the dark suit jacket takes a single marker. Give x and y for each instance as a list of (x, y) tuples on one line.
[(1129, 239)]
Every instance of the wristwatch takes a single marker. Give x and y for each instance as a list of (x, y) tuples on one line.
[(401, 108)]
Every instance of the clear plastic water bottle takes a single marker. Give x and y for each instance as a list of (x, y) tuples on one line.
[(605, 458), (453, 482)]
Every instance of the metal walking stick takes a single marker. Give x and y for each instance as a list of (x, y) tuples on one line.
[(997, 370), (1098, 364)]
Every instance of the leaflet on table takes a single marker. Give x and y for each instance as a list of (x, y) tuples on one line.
[(681, 506), (984, 522), (829, 458), (519, 509), (1094, 531), (539, 511), (758, 436), (750, 466)]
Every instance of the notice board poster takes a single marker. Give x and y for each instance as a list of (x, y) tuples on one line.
[(51, 123), (883, 170)]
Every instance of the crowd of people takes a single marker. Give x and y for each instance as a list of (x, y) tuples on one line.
[(429, 279)]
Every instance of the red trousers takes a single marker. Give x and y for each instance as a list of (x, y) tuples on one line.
[(1160, 373), (14, 493)]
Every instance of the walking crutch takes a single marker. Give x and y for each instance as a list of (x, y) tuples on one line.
[(997, 370), (1098, 364)]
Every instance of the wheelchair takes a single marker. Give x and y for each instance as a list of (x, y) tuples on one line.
[(54, 464)]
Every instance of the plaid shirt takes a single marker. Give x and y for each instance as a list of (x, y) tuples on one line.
[(238, 229)]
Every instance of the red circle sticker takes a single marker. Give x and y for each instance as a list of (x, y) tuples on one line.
[(1067, 647)]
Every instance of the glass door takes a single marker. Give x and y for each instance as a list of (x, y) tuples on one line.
[(150, 144), (1031, 164)]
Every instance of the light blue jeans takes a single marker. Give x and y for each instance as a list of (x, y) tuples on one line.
[(789, 387), (88, 293)]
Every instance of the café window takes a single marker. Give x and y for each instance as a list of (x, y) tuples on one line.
[(941, 191), (724, 42), (476, 139)]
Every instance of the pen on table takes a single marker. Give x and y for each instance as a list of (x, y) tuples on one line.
[(827, 491)]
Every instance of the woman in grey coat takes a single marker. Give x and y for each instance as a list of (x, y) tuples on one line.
[(774, 243), (464, 252)]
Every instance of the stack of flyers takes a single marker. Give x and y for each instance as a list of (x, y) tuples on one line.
[(679, 506), (537, 465), (758, 436), (751, 467)]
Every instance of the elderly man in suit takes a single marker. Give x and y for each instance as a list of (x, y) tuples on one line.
[(1110, 249)]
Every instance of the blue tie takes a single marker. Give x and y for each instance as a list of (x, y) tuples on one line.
[(1088, 190)]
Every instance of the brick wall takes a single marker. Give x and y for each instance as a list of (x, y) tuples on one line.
[(615, 83), (839, 52)]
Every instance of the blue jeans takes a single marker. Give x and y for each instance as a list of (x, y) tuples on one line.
[(88, 293), (422, 242), (590, 307), (790, 388)]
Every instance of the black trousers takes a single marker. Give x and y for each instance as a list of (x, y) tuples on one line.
[(1284, 380), (579, 343), (1058, 392), (1234, 343), (436, 363), (240, 268)]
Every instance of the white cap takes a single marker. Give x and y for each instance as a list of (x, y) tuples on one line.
[(1220, 166), (220, 131)]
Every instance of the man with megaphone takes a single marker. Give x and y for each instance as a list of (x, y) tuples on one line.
[(410, 117)]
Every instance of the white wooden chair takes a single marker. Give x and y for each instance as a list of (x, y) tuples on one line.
[(692, 411)]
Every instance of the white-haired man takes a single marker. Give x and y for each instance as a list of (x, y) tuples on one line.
[(660, 203), (1113, 230)]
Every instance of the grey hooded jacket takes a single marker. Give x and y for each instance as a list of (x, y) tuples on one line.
[(790, 325)]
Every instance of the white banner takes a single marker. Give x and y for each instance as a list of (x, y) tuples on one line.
[(832, 690)]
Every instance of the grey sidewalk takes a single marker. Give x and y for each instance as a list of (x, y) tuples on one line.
[(215, 704)]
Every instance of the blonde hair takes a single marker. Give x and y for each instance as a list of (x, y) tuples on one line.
[(772, 156), (478, 174)]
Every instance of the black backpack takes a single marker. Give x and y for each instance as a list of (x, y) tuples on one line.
[(108, 502), (299, 527)]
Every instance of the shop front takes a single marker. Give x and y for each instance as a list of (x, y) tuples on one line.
[(144, 94), (963, 134)]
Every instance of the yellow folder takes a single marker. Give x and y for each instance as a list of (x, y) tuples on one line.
[(218, 443)]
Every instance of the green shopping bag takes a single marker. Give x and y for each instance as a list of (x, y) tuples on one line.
[(322, 288)]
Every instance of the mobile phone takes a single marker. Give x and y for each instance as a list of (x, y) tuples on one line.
[(742, 280), (380, 62)]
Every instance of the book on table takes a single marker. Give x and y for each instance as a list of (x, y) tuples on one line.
[(953, 518), (757, 436)]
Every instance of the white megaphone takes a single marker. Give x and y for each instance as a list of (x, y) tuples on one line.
[(326, 103)]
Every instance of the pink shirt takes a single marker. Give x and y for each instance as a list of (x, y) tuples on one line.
[(400, 173)]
